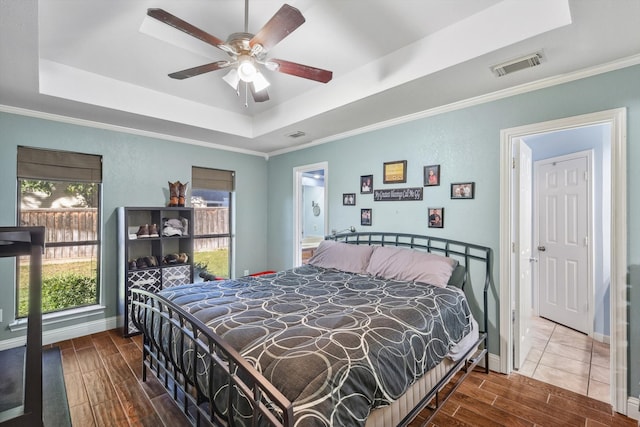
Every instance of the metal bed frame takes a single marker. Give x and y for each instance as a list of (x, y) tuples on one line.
[(167, 326)]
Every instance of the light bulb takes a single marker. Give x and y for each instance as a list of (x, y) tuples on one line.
[(246, 69)]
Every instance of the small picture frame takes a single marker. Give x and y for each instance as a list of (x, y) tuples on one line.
[(463, 190), (365, 216), (436, 217), (349, 199), (366, 184), (395, 172), (431, 175)]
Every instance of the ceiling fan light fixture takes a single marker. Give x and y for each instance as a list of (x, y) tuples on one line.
[(260, 82), (272, 66), (247, 69), (232, 78)]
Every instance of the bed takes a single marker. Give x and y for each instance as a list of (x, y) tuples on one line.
[(366, 334)]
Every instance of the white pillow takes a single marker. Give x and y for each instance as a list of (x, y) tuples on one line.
[(391, 262), (342, 256)]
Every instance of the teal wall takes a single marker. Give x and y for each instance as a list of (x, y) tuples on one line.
[(136, 170), (466, 143)]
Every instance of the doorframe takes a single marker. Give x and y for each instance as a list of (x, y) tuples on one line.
[(298, 210), (618, 291), (590, 232)]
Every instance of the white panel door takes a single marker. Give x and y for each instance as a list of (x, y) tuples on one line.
[(522, 321), (563, 242)]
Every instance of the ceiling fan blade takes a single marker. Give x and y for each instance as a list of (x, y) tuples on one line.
[(201, 69), (175, 22), (283, 23), (261, 96), (300, 70)]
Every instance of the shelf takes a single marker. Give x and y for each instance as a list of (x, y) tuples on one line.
[(164, 249)]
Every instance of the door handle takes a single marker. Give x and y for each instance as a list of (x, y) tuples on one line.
[(542, 248), (533, 259)]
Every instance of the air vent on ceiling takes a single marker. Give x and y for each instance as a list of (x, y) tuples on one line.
[(296, 134), (518, 64)]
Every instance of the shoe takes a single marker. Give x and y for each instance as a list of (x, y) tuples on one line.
[(170, 259), (153, 230), (140, 263), (151, 261), (133, 265), (143, 231)]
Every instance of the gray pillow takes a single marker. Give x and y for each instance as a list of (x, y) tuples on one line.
[(342, 256), (391, 262), (458, 276)]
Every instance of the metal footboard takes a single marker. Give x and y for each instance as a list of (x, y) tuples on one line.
[(211, 381)]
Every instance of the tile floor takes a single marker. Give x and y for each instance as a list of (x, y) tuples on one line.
[(568, 359)]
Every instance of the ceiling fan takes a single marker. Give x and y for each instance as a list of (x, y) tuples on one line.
[(248, 51)]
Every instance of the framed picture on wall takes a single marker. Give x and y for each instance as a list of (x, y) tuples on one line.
[(463, 190), (436, 217), (431, 175), (365, 216), (395, 172), (349, 199), (366, 184)]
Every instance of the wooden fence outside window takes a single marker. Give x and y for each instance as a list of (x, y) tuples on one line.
[(68, 225)]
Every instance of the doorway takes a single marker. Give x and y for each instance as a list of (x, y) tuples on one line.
[(615, 190), (310, 224)]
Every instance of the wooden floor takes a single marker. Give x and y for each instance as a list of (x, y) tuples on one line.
[(103, 378)]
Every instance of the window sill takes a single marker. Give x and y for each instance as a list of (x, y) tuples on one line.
[(60, 316)]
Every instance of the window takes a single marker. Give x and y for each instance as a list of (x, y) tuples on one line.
[(61, 191), (211, 194)]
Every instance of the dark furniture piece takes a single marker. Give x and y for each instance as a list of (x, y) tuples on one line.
[(169, 330), (28, 241), (135, 253)]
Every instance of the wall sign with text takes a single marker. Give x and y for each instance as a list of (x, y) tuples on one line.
[(397, 194)]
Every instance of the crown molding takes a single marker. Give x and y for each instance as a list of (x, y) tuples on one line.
[(123, 129)]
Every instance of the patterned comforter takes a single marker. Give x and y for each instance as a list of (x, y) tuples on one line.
[(336, 344)]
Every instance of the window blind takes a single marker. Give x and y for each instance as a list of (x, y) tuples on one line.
[(36, 163), (212, 179)]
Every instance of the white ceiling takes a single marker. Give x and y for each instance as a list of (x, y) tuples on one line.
[(89, 60)]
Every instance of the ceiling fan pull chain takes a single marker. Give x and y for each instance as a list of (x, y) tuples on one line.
[(246, 95)]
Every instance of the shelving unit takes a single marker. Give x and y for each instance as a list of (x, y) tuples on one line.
[(137, 255)]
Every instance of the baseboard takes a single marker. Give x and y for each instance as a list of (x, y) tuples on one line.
[(605, 339), (633, 408), (494, 362), (61, 334)]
